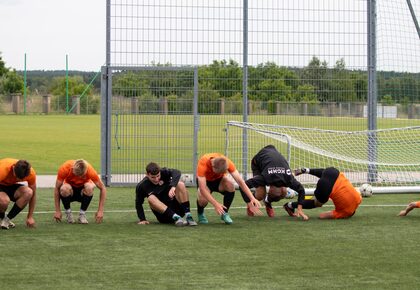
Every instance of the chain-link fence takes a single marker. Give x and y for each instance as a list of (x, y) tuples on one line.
[(177, 71)]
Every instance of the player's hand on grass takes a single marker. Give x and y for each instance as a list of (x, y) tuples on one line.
[(99, 216), (219, 208), (58, 216), (143, 222), (300, 214), (30, 222), (255, 205)]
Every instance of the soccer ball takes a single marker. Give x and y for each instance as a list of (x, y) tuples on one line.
[(366, 190), (291, 193)]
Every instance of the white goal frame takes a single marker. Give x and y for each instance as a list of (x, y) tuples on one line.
[(385, 158)]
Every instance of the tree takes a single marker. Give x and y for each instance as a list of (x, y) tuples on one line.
[(3, 69), (12, 83), (76, 87)]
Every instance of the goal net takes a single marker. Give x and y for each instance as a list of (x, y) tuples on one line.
[(388, 159)]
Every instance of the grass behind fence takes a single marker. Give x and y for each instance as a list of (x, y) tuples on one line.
[(48, 140), (375, 249)]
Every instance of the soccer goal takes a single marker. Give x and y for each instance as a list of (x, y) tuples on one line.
[(388, 159)]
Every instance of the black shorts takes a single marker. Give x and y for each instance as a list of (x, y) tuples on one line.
[(10, 190), (213, 185), (175, 206), (325, 184), (77, 194)]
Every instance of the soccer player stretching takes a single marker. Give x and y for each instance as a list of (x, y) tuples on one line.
[(270, 168), (166, 194), (333, 185), (212, 176), (76, 180), (12, 172)]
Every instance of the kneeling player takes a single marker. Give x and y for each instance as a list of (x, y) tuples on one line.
[(166, 194), (334, 185)]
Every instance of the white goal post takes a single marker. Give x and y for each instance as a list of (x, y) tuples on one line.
[(388, 159)]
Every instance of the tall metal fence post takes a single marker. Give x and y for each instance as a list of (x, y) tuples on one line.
[(372, 91), (245, 91)]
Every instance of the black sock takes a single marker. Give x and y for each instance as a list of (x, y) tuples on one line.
[(186, 206), (228, 199), (66, 202), (169, 213), (306, 204), (2, 214), (85, 202), (200, 209), (14, 211)]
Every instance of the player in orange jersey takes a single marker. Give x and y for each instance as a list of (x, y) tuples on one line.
[(410, 207), (76, 180), (212, 176), (332, 184), (12, 173)]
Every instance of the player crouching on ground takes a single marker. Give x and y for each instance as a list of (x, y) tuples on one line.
[(332, 184), (212, 176), (167, 196), (12, 172), (270, 168), (76, 180)]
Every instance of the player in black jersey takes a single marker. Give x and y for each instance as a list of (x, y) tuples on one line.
[(270, 168), (166, 194)]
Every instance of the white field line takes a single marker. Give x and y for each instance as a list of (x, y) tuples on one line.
[(210, 208)]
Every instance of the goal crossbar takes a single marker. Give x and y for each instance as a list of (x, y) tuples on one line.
[(386, 158)]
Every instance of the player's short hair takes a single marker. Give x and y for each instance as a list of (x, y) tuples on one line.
[(277, 192), (152, 168), (219, 164), (22, 169), (80, 167)]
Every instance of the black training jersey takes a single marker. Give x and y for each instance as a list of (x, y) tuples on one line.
[(168, 178), (274, 169)]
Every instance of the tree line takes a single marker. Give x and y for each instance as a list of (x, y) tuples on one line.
[(315, 83)]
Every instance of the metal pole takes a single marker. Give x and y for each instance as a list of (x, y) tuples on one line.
[(196, 125), (67, 84), (245, 91), (106, 92), (372, 91), (24, 86), (413, 15)]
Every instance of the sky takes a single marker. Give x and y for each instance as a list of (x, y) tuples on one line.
[(48, 30)]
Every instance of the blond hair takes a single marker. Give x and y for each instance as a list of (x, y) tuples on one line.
[(219, 164), (80, 167)]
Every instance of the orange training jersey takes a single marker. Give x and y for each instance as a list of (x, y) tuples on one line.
[(6, 173), (345, 197), (65, 173), (204, 168)]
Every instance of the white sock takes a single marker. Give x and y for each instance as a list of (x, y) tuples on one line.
[(82, 212)]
